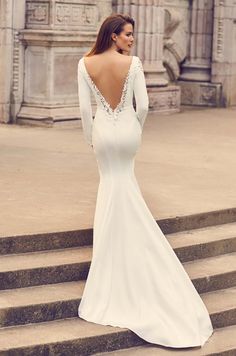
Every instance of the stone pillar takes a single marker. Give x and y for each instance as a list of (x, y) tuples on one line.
[(149, 16), (12, 19), (224, 50), (58, 33), (198, 64), (195, 79), (151, 48), (149, 32), (6, 43), (163, 97)]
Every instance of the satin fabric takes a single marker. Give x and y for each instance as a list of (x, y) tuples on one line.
[(135, 280)]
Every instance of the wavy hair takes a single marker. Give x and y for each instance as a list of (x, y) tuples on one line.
[(113, 23)]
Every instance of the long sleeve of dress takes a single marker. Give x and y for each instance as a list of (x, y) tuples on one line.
[(84, 93), (140, 94)]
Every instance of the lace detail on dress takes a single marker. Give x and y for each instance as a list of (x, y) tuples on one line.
[(105, 104), (139, 65)]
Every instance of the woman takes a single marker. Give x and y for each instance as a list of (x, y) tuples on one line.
[(135, 279)]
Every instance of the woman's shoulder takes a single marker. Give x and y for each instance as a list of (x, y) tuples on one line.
[(80, 60), (81, 63), (138, 60), (138, 66)]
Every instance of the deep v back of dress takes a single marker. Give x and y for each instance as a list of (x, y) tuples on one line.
[(111, 81), (135, 279)]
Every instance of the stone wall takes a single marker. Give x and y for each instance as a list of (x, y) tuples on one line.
[(208, 73), (12, 20), (187, 48), (224, 50), (56, 35)]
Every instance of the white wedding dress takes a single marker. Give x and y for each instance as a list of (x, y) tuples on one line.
[(135, 280)]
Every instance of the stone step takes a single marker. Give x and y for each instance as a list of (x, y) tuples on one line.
[(45, 241), (213, 273), (40, 303), (188, 245), (72, 336), (221, 305), (59, 301), (76, 336), (68, 239), (221, 343), (47, 267), (204, 242), (71, 264)]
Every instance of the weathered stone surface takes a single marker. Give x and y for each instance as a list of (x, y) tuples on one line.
[(224, 52), (200, 94), (198, 63), (222, 343), (65, 337), (17, 271), (11, 58), (164, 100), (57, 34), (174, 39), (174, 228), (56, 301), (46, 241)]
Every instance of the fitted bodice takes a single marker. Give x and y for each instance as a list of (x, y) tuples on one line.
[(127, 90), (134, 84)]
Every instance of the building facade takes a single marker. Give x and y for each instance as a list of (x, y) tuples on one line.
[(188, 50)]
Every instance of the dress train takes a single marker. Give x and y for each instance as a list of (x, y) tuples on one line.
[(136, 280)]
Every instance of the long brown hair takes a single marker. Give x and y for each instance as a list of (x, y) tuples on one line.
[(113, 23)]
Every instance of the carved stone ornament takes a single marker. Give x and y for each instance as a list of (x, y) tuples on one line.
[(37, 13), (173, 54)]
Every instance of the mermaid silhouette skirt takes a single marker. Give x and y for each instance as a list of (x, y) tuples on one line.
[(135, 279)]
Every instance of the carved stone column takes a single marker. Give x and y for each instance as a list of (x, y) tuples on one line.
[(57, 34), (149, 32), (6, 43), (149, 16), (151, 51), (198, 64), (196, 71), (173, 51), (224, 50), (12, 19)]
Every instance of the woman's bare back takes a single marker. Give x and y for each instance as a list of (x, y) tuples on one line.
[(108, 72)]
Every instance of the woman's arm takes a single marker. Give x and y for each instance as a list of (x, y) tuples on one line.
[(140, 93), (84, 92)]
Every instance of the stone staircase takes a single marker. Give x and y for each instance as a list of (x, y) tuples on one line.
[(42, 277)]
